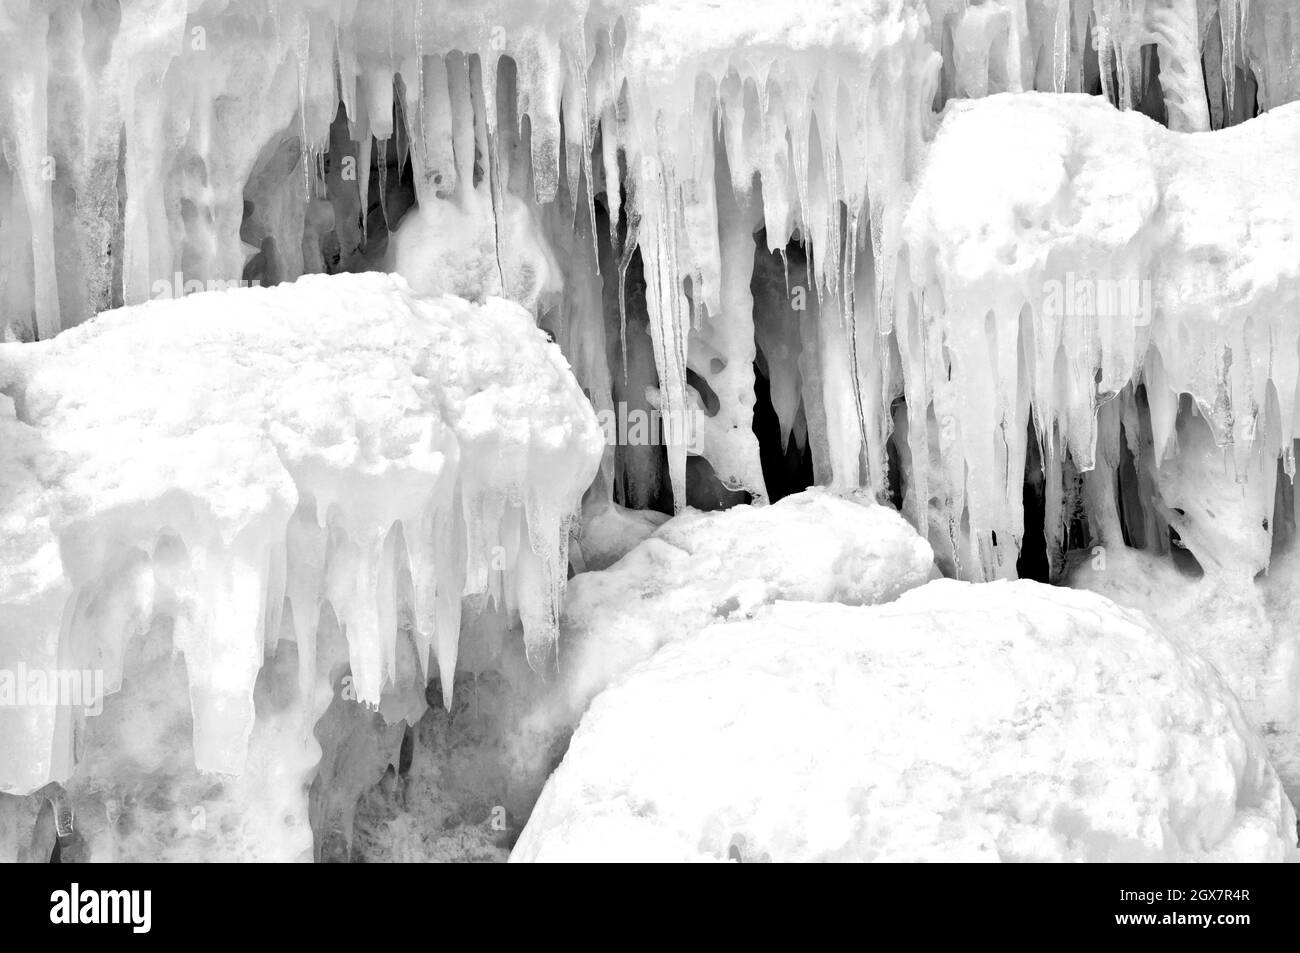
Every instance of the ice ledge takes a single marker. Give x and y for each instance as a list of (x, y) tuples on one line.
[(238, 460)]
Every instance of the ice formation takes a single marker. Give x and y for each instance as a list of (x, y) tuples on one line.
[(889, 247), (236, 461), (566, 144), (1006, 721), (1106, 281)]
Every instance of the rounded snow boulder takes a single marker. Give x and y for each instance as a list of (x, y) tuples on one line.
[(996, 722), (700, 568)]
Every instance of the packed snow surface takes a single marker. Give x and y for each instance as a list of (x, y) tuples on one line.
[(1004, 721), (698, 568), (236, 460), (1243, 625)]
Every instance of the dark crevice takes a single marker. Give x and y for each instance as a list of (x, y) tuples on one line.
[(787, 469), (1033, 562)]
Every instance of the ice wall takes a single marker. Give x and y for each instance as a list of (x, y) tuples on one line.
[(150, 146), (244, 462)]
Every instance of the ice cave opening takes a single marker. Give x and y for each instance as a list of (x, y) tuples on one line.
[(407, 404)]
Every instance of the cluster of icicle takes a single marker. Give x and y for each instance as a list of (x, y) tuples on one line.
[(240, 466), (137, 135), (132, 129), (1117, 295), (1207, 51)]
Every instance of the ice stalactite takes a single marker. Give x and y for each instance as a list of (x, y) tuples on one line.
[(142, 122), (1124, 27), (722, 350), (26, 151), (684, 130), (268, 493), (1074, 295), (1175, 30), (987, 42), (1269, 32), (1202, 46), (821, 135)]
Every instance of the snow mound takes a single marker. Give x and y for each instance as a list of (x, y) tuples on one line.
[(1244, 626), (701, 567), (1005, 721), (238, 459)]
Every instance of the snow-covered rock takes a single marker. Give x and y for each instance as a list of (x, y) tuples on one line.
[(1005, 721), (235, 461)]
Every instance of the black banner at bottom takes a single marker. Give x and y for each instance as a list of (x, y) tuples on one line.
[(212, 903)]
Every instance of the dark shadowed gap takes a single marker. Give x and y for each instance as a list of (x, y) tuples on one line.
[(1151, 97), (786, 469), (896, 475), (641, 472), (1283, 522), (1128, 496), (1032, 562)]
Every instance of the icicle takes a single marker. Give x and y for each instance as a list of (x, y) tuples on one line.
[(302, 53), (722, 348), (382, 166), (1061, 48), (1229, 38), (658, 240)]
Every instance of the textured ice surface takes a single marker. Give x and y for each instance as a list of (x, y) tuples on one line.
[(236, 460), (1006, 721)]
